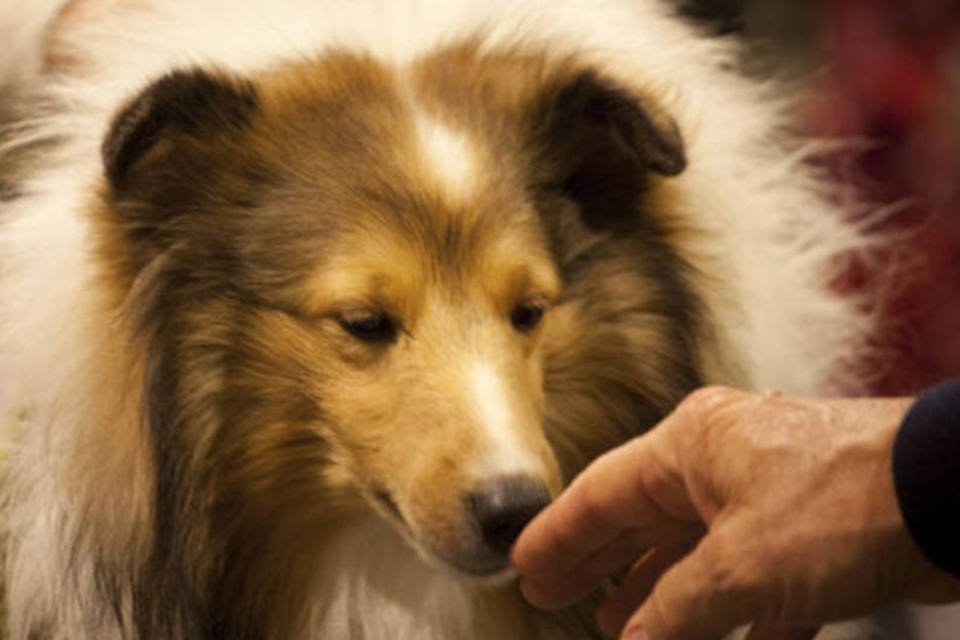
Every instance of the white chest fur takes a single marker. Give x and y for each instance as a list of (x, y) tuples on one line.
[(375, 587)]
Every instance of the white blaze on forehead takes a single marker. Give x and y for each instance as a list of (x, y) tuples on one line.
[(448, 154), (506, 453)]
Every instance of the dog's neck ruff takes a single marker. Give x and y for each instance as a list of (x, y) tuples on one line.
[(375, 587)]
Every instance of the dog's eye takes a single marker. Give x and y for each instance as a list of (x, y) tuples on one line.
[(376, 327), (526, 317)]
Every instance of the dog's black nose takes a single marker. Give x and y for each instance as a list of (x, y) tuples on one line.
[(503, 507)]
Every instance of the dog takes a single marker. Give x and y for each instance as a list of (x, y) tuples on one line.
[(311, 306)]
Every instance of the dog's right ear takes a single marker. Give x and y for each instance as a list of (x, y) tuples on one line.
[(166, 120)]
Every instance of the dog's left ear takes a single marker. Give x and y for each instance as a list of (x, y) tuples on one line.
[(600, 142)]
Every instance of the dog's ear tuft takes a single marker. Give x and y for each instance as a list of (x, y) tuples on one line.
[(593, 114), (601, 142), (194, 103)]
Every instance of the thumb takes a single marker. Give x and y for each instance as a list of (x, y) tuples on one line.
[(703, 597)]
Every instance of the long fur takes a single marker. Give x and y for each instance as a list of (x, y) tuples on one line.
[(748, 217)]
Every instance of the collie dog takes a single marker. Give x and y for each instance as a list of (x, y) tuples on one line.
[(309, 306)]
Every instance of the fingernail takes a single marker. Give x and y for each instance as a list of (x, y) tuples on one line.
[(635, 633)]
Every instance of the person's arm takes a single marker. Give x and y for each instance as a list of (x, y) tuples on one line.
[(757, 509)]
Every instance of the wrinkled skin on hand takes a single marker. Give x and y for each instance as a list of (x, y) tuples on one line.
[(737, 509)]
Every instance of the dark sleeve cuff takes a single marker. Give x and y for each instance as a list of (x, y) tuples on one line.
[(926, 474)]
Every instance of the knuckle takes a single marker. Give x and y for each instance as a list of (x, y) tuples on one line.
[(703, 408), (655, 616), (687, 606), (720, 572), (732, 571), (592, 509), (708, 398)]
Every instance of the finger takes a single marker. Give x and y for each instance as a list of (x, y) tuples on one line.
[(702, 597), (609, 498), (636, 587), (564, 589), (571, 587), (768, 632)]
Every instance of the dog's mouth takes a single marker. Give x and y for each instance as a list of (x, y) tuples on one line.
[(473, 562), (481, 550), (387, 502)]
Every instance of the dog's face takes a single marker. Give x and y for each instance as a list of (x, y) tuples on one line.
[(399, 286), (433, 376)]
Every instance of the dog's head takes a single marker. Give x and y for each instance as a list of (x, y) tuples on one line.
[(437, 289)]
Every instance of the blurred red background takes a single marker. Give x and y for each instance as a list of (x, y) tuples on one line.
[(886, 79), (893, 81)]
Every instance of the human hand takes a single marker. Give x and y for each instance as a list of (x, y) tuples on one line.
[(760, 509)]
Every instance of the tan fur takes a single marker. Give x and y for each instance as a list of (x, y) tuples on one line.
[(241, 222), (396, 421)]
